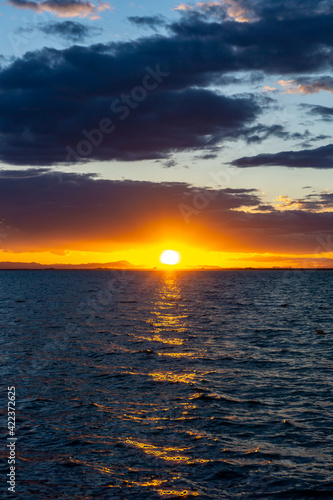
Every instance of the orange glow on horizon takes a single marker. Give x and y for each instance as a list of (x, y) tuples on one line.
[(148, 257)]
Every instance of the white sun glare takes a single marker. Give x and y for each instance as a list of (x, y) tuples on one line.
[(170, 257)]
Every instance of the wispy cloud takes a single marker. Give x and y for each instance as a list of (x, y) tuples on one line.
[(184, 7), (152, 22), (319, 158), (63, 8), (230, 9), (307, 85), (72, 31)]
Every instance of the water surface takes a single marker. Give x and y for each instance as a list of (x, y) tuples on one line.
[(149, 385)]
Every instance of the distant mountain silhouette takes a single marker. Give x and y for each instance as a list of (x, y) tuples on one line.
[(124, 264), (120, 264)]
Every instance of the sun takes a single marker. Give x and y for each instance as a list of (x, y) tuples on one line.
[(170, 257)]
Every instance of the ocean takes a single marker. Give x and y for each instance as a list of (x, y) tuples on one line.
[(143, 385)]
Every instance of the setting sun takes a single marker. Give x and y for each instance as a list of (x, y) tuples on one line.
[(170, 257)]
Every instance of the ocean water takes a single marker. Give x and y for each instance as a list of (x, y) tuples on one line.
[(150, 385)]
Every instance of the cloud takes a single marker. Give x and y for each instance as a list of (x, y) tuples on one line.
[(306, 85), (260, 45), (324, 112), (319, 158), (225, 9), (49, 97), (170, 163), (233, 9), (63, 8), (267, 88), (252, 10), (57, 211), (164, 123), (260, 132), (41, 208), (23, 174), (68, 30), (152, 22), (322, 202), (290, 9), (184, 7)]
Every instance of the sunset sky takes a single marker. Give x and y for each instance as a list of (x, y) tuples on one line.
[(129, 128)]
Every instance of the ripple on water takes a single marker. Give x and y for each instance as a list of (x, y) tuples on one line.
[(205, 385)]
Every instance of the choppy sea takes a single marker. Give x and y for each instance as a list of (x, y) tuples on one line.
[(141, 385)]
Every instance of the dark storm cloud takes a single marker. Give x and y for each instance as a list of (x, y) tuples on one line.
[(62, 208), (272, 45), (57, 210), (152, 22), (319, 158), (251, 10), (21, 174), (49, 97), (38, 131), (289, 8)]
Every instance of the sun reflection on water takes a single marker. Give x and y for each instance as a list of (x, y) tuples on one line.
[(186, 378), (167, 314), (168, 453)]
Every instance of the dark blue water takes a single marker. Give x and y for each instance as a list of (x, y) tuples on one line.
[(149, 385)]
